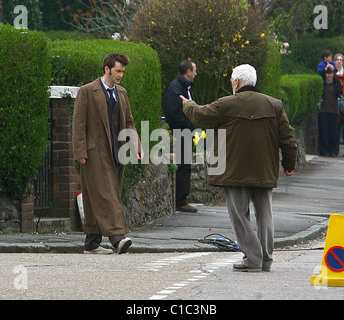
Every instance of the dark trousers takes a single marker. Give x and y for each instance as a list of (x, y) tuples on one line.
[(328, 133), (92, 241), (183, 174)]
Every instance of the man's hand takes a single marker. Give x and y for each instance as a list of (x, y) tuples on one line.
[(288, 173), (183, 99), (82, 161)]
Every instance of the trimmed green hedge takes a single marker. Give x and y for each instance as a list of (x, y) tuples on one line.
[(24, 107), (300, 95), (75, 63)]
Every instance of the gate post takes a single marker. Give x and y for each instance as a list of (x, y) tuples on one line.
[(66, 180)]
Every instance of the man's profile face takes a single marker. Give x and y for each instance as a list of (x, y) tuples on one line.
[(116, 72), (193, 73)]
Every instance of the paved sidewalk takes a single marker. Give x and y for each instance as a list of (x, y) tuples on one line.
[(302, 205)]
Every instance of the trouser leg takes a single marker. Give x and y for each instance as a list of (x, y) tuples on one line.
[(238, 200), (183, 173), (115, 239), (183, 176), (92, 241), (323, 134), (262, 202), (333, 134)]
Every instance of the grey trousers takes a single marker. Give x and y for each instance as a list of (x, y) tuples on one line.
[(257, 246)]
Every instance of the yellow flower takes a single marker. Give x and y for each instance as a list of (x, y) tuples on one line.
[(196, 139), (242, 46), (225, 75), (247, 42), (237, 52), (153, 22), (262, 35), (206, 61)]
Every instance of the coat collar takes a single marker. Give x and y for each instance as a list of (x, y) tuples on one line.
[(248, 88), (181, 79)]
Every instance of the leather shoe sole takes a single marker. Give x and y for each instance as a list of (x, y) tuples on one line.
[(242, 268)]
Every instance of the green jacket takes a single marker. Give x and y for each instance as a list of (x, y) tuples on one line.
[(256, 128)]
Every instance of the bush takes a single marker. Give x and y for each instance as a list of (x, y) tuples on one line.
[(24, 107), (217, 35), (79, 62), (300, 95)]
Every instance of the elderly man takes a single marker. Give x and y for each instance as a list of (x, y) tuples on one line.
[(256, 128)]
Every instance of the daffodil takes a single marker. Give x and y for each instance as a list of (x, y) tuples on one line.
[(196, 139)]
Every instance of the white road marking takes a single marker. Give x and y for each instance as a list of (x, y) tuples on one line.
[(199, 274)]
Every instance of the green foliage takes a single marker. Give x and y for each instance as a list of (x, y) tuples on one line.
[(65, 35), (79, 62), (34, 12), (24, 107), (301, 94), (217, 35), (269, 73), (292, 19)]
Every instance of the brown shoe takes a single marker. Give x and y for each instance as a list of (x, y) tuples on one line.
[(242, 268), (187, 208)]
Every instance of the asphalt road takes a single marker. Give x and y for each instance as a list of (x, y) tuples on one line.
[(161, 276)]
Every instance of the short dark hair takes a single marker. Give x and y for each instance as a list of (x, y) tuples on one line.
[(110, 60), (326, 53), (185, 66)]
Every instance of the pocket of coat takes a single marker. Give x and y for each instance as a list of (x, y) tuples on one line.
[(90, 146)]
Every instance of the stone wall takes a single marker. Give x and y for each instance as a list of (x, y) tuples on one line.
[(151, 198), (9, 215), (17, 215), (200, 190)]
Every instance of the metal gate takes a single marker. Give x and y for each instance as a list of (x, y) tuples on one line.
[(43, 182)]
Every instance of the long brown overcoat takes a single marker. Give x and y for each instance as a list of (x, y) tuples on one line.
[(100, 178)]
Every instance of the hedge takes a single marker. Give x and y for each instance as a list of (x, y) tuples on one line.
[(24, 107), (75, 63), (300, 95)]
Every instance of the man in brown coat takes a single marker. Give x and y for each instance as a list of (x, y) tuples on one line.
[(101, 111), (256, 128)]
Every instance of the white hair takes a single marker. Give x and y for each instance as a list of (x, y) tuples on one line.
[(246, 74)]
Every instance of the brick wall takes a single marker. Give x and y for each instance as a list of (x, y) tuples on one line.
[(65, 174)]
